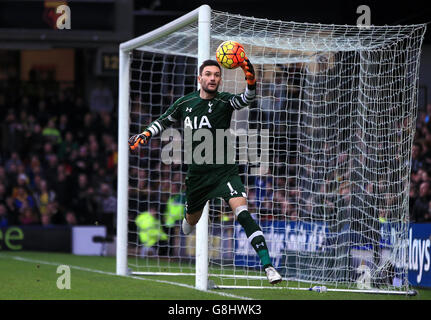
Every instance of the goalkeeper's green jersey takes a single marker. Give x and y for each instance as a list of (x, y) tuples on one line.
[(205, 121)]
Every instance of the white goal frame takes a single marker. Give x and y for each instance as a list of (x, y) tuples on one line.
[(201, 16)]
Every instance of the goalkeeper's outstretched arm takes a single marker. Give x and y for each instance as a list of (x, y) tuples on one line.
[(155, 127), (246, 98)]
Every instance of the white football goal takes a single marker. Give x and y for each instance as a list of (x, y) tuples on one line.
[(324, 153)]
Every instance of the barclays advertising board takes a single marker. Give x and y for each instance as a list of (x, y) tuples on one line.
[(419, 254), (314, 239), (280, 237)]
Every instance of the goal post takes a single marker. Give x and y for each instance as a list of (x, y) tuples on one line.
[(324, 153), (204, 47), (123, 163), (203, 16)]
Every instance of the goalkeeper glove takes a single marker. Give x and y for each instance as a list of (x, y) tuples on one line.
[(250, 76), (141, 138)]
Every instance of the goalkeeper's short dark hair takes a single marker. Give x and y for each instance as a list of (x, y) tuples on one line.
[(207, 63)]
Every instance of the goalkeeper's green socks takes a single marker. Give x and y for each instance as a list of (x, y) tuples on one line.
[(254, 234)]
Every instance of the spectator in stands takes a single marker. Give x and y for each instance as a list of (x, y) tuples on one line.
[(48, 150), (106, 125), (420, 176), (28, 216), (266, 210), (63, 187), (87, 127), (50, 169), (34, 169), (35, 140), (51, 133), (67, 146), (14, 161), (63, 125), (62, 103), (55, 213), (263, 185), (22, 199), (14, 135), (107, 207), (3, 177), (4, 217), (12, 210), (427, 215), (251, 199), (43, 196), (281, 204), (71, 218), (413, 195), (82, 164), (111, 152), (3, 194), (421, 205), (292, 212), (95, 157), (75, 115), (12, 174), (417, 160), (426, 152), (42, 114), (45, 220), (101, 99), (83, 202)]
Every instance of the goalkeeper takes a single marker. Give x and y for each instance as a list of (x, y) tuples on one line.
[(209, 109)]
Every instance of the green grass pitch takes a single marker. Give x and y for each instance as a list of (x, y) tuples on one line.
[(33, 276)]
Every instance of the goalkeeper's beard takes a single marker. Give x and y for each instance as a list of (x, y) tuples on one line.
[(207, 90)]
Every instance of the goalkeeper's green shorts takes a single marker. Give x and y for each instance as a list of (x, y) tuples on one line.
[(201, 187)]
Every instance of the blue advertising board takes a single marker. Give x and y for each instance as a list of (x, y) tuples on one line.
[(280, 237), (312, 238), (419, 254)]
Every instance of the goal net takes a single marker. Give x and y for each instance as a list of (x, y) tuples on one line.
[(324, 153)]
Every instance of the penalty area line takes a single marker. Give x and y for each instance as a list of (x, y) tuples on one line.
[(178, 284)]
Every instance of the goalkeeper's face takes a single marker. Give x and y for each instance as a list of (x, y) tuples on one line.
[(210, 79)]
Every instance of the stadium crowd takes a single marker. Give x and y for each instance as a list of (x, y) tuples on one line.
[(420, 191), (58, 156), (58, 161)]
